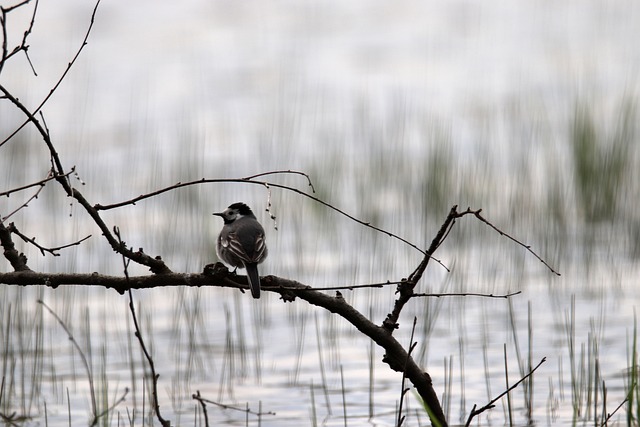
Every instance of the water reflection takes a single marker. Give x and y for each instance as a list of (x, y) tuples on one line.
[(396, 113)]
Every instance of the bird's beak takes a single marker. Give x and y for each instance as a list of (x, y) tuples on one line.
[(218, 214)]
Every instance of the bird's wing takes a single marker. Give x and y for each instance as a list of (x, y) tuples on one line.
[(234, 245), (260, 249)]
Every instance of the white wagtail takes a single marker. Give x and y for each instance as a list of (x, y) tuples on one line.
[(241, 242)]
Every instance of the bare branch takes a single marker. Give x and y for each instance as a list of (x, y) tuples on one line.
[(415, 295), (3, 24), (491, 404), (112, 407), (405, 288), (23, 205), (55, 87), (469, 294), (57, 165), (23, 46), (513, 239), (199, 398), (267, 184), (18, 260), (313, 190), (395, 354), (156, 264), (15, 6), (12, 228), (218, 275), (609, 416), (138, 334), (50, 176), (202, 401), (352, 287)]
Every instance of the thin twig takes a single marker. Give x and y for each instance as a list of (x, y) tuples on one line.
[(289, 171), (23, 205), (491, 404), (50, 176), (25, 46), (415, 295), (198, 397), (469, 294), (231, 407), (59, 82), (12, 228), (267, 184), (156, 264), (3, 23), (15, 6), (138, 334), (609, 416), (112, 407), (513, 239)]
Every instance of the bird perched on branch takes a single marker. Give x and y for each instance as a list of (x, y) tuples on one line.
[(241, 242)]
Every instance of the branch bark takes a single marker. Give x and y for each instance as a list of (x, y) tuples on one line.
[(219, 276), (406, 288), (18, 260)]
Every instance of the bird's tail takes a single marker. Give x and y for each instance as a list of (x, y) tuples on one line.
[(254, 279)]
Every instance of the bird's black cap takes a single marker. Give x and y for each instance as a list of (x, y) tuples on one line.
[(242, 208)]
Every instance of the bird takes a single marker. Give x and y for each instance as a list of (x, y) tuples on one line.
[(241, 242)]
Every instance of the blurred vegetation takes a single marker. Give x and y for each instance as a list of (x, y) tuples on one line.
[(564, 187), (602, 160)]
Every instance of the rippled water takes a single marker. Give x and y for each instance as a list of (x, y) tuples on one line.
[(397, 112)]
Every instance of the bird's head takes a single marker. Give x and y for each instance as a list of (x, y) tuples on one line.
[(235, 212)]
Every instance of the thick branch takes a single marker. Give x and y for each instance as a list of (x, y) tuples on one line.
[(120, 284), (155, 264), (18, 260), (395, 355)]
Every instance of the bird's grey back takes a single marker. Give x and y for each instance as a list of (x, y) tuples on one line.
[(251, 236)]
